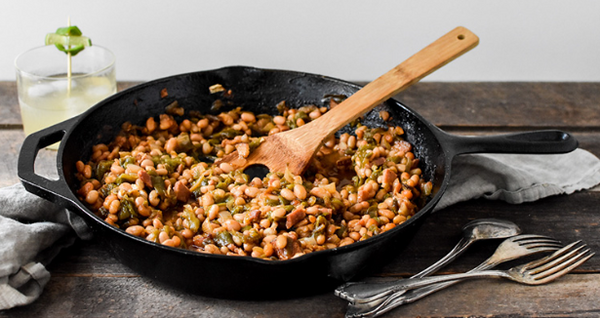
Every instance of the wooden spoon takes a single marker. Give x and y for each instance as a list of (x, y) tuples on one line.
[(294, 148)]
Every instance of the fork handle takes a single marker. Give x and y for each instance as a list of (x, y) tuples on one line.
[(377, 291), (399, 298), (418, 293), (341, 292)]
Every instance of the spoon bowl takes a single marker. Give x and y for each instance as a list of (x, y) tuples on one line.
[(482, 229)]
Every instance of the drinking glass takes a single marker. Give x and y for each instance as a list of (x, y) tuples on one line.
[(47, 95)]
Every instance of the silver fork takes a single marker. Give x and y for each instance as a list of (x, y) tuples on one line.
[(536, 272), (510, 249), (476, 230)]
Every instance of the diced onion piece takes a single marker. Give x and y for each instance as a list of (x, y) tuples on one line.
[(216, 88)]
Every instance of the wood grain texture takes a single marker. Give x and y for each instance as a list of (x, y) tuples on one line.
[(87, 282), (140, 297), (10, 115), (506, 105)]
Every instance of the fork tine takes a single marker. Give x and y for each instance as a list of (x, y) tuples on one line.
[(551, 257), (557, 262), (539, 243), (523, 237), (532, 241), (540, 240), (536, 239), (542, 244), (537, 249), (567, 269)]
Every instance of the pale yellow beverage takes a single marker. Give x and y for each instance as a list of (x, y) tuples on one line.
[(47, 103)]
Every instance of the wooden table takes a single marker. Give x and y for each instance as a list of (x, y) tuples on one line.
[(88, 282)]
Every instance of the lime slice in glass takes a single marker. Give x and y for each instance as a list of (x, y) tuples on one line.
[(65, 40), (68, 44)]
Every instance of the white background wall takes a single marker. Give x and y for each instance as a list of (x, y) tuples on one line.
[(520, 40)]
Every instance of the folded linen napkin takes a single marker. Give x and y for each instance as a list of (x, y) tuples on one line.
[(34, 230), (520, 178)]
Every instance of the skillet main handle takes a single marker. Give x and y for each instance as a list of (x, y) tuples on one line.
[(534, 142), (55, 191)]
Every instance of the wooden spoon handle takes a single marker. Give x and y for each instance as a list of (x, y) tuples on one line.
[(435, 55)]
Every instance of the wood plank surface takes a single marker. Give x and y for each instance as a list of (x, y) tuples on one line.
[(507, 105), (140, 297), (88, 282)]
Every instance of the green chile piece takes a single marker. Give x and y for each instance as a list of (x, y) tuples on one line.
[(223, 238), (102, 168), (193, 221), (127, 209)]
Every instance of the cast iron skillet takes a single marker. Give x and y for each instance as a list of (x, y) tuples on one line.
[(257, 90)]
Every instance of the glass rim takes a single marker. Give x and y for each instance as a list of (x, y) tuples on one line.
[(110, 64)]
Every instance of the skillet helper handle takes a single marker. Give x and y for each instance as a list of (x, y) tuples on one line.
[(48, 189), (534, 142)]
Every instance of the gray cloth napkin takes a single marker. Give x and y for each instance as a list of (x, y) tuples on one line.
[(519, 178), (34, 230)]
